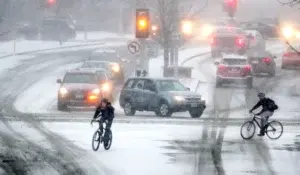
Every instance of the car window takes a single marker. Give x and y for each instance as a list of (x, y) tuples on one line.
[(139, 84), (170, 85), (149, 85), (129, 84), (80, 78), (234, 61)]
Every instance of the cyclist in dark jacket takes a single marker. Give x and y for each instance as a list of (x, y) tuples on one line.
[(266, 112), (106, 112)]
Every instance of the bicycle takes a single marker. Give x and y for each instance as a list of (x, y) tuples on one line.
[(269, 128), (98, 138)]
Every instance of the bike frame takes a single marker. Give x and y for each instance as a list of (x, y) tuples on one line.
[(255, 120)]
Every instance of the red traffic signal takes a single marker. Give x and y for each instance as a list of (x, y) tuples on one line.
[(142, 29), (231, 3), (51, 2)]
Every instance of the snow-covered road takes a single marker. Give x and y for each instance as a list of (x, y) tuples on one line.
[(145, 144)]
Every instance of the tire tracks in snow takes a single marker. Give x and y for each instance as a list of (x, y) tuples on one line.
[(65, 154)]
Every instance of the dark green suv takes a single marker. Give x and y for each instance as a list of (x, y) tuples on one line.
[(162, 96)]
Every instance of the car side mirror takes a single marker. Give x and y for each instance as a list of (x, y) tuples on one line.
[(187, 88), (217, 63), (58, 81)]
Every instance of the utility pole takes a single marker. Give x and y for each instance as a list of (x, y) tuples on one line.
[(177, 37)]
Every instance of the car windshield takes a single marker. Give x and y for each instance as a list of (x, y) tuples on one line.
[(87, 78), (234, 61), (95, 65), (170, 85)]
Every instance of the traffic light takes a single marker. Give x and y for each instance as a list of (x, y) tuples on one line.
[(51, 2), (231, 4), (142, 29)]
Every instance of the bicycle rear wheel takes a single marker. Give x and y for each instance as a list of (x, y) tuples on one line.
[(96, 140), (108, 141), (274, 130), (249, 128)]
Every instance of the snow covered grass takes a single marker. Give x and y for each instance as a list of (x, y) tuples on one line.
[(94, 38), (97, 35)]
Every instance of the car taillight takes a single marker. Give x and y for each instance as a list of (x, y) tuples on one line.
[(288, 54), (247, 68), (266, 60), (240, 41), (213, 41), (221, 68)]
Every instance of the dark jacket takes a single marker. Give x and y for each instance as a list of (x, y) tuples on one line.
[(107, 114), (264, 103)]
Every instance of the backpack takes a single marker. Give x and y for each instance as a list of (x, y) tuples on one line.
[(272, 105)]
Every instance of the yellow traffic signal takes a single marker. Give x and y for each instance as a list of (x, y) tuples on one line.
[(142, 29), (142, 24)]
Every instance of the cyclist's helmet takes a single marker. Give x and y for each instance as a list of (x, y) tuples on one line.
[(261, 95), (104, 100)]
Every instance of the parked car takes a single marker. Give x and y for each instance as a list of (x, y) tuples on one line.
[(163, 96), (234, 69)]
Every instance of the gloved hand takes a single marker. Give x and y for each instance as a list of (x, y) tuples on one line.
[(92, 121), (250, 111)]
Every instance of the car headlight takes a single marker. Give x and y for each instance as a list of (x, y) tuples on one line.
[(179, 98), (105, 87), (116, 68), (96, 91), (63, 91)]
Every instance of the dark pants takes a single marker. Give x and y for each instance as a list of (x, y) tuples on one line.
[(108, 124)]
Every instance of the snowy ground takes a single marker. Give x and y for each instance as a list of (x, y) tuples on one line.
[(191, 147), (172, 149)]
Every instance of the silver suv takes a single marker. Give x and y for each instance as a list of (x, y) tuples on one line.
[(162, 96)]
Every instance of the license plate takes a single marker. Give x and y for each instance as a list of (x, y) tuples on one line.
[(255, 62), (79, 96), (235, 70), (193, 105)]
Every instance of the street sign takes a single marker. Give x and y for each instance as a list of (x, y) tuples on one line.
[(134, 47), (152, 50)]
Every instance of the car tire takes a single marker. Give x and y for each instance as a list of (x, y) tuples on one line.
[(272, 73), (283, 67), (218, 84), (61, 106), (128, 109), (164, 110), (196, 113)]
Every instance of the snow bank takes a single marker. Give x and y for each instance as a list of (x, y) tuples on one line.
[(96, 35)]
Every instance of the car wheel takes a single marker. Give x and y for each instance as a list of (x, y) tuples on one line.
[(61, 106), (196, 113), (218, 84), (283, 67), (128, 109), (164, 110), (272, 73)]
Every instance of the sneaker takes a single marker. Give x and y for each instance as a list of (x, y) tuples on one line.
[(260, 134)]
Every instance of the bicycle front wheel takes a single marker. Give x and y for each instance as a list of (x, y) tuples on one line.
[(96, 140), (248, 130), (274, 130)]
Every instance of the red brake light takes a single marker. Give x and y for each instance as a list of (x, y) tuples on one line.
[(266, 60), (247, 68), (288, 54), (240, 41)]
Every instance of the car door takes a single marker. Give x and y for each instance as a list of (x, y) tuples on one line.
[(138, 92), (149, 94)]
